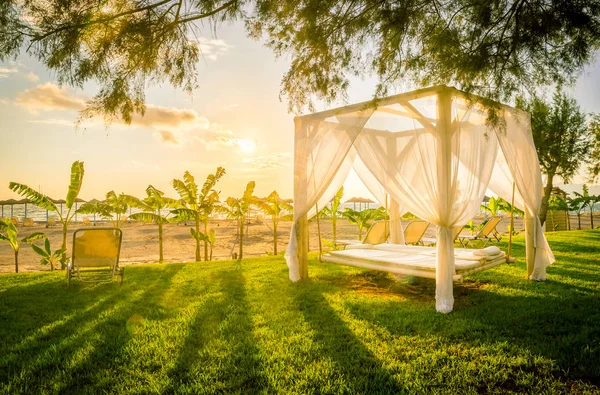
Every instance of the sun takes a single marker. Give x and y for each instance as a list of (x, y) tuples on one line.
[(247, 146)]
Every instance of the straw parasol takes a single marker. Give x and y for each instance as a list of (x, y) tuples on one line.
[(23, 201), (8, 202), (360, 201), (94, 201)]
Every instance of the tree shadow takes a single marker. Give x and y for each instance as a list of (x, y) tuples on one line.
[(356, 369), (219, 352), (69, 351)]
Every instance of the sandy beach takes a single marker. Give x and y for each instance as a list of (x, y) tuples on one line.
[(140, 240)]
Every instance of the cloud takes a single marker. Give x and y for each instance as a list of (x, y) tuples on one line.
[(231, 107), (48, 97), (211, 48), (268, 162), (167, 137), (3, 101), (32, 77), (169, 125), (5, 72)]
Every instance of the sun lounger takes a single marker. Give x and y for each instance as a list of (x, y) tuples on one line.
[(15, 221), (86, 221), (431, 241), (486, 234), (378, 233), (51, 222), (95, 255), (414, 231), (29, 222)]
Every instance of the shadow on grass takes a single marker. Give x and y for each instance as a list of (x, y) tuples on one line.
[(68, 352), (356, 369), (219, 353)]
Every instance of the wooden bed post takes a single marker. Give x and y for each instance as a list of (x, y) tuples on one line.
[(302, 237), (529, 242)]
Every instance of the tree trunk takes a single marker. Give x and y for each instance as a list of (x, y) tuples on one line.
[(274, 237), (206, 241), (198, 257), (547, 192), (63, 261), (334, 226), (592, 216), (16, 261), (241, 224), (160, 241), (579, 221)]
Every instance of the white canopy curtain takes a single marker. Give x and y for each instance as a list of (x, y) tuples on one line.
[(434, 155)]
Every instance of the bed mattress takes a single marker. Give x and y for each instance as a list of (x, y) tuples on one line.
[(398, 258)]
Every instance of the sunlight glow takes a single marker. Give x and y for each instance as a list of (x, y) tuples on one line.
[(247, 146)]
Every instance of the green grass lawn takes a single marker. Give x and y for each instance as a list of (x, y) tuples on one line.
[(223, 327)]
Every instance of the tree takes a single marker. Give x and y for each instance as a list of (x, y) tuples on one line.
[(48, 257), (494, 205), (11, 235), (494, 48), (238, 208), (199, 205), (562, 140), (113, 208), (362, 219), (278, 209), (46, 203), (577, 205), (588, 201), (152, 207), (333, 212)]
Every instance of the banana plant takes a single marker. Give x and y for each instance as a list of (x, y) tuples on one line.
[(48, 257), (113, 208), (576, 205), (11, 235), (278, 209), (493, 207), (199, 204), (588, 201), (333, 212), (238, 209), (210, 238), (46, 203), (152, 206), (556, 203), (362, 219)]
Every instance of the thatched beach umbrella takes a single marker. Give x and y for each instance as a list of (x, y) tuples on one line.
[(8, 202), (24, 201), (360, 201)]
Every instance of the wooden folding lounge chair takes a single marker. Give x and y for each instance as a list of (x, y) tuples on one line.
[(15, 221), (86, 221), (485, 235), (378, 233), (414, 231), (51, 222), (29, 222), (95, 255)]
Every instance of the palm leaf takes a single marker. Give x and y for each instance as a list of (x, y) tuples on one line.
[(75, 184), (152, 191), (211, 181), (2, 237), (191, 185), (183, 191), (47, 246), (146, 217), (33, 237), (33, 196), (170, 203), (102, 209), (40, 251)]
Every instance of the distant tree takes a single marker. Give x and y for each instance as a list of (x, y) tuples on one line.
[(562, 139), (489, 47), (588, 201), (238, 208), (278, 209), (576, 205), (113, 208), (152, 206), (11, 235), (333, 212), (46, 203), (200, 203)]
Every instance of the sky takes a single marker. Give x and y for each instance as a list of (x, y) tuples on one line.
[(234, 119)]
